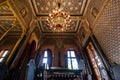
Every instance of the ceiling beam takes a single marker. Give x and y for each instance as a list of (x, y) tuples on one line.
[(60, 36), (39, 16), (59, 33), (7, 18)]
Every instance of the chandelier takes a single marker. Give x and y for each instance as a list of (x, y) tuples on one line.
[(59, 20)]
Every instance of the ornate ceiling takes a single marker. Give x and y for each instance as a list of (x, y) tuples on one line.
[(7, 20), (75, 8)]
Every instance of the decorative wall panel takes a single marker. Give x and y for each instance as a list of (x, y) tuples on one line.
[(25, 10), (84, 32), (107, 31), (93, 9)]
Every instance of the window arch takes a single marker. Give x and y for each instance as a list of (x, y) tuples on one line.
[(72, 62), (46, 58)]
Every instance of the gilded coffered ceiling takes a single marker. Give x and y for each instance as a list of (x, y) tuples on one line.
[(75, 8), (8, 22)]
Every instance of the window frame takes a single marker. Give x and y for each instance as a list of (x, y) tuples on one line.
[(48, 57), (70, 58), (45, 57)]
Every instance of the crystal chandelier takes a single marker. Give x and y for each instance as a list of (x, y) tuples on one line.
[(58, 20)]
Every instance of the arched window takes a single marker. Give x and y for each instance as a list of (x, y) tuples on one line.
[(46, 58), (72, 62), (3, 54)]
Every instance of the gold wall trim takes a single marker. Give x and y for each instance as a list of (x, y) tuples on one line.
[(3, 3), (18, 18), (14, 48), (11, 5), (6, 33)]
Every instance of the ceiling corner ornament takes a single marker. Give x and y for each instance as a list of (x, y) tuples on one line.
[(58, 20), (23, 12), (94, 11)]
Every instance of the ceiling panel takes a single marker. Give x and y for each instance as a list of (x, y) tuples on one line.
[(72, 28), (5, 10), (75, 8), (7, 19)]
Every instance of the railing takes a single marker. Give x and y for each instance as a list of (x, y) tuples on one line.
[(59, 73)]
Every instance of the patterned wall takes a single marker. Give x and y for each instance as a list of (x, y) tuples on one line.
[(107, 30), (97, 4)]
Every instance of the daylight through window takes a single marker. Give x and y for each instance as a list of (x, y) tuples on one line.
[(71, 60)]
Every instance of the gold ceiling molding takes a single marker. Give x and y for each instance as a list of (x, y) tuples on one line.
[(75, 9), (14, 11), (7, 13), (7, 18), (10, 28), (43, 7), (5, 9), (11, 23)]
